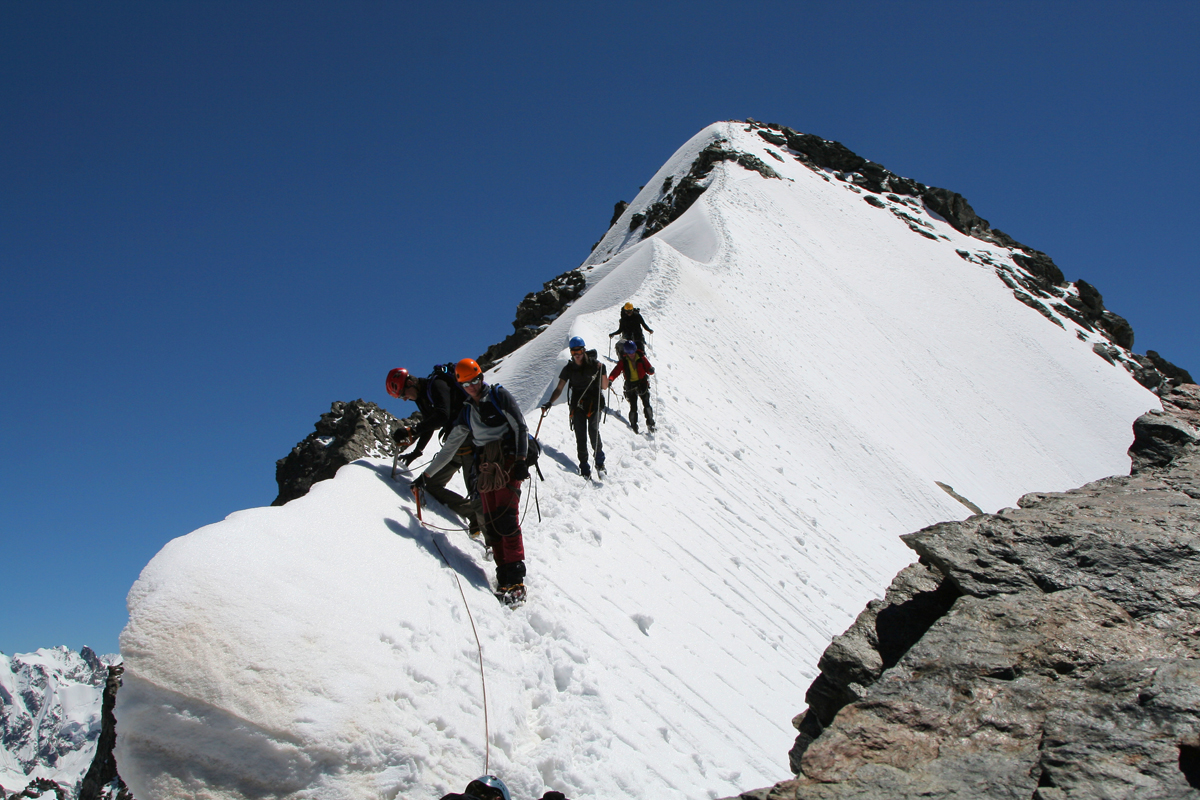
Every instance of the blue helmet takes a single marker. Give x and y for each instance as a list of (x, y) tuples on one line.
[(488, 787), (576, 341), (630, 347)]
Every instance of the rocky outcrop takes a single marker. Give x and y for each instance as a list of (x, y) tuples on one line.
[(1047, 651), (348, 432), (102, 781), (535, 312), (37, 788), (676, 198)]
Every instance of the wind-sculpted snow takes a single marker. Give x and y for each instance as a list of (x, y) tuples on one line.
[(821, 368)]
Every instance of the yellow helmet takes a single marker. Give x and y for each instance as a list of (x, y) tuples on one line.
[(628, 306)]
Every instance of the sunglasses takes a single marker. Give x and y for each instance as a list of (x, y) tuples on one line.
[(576, 350), (478, 379)]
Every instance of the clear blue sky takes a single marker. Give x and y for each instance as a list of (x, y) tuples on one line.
[(218, 217)]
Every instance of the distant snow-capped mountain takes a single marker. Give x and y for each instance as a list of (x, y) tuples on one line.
[(50, 705)]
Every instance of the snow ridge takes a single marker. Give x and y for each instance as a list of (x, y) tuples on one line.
[(822, 374)]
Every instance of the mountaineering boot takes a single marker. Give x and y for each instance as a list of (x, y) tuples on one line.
[(585, 470), (635, 427), (511, 595), (650, 425)]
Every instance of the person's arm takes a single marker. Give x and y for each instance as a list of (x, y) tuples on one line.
[(649, 369), (604, 381), (642, 322), (458, 434), (554, 395), (617, 370)]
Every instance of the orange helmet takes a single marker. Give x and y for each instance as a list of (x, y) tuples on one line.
[(467, 370), (397, 379)]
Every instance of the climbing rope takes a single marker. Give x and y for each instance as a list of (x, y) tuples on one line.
[(487, 736)]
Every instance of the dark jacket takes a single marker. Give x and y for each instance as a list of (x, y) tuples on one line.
[(440, 402), (583, 383), (631, 325)]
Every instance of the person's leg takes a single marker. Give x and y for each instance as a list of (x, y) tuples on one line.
[(593, 426), (580, 422), (435, 484), (502, 523), (644, 390)]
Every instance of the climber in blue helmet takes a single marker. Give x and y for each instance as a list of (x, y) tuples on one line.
[(585, 399)]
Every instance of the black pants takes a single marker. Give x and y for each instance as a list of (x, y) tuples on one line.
[(634, 390), (467, 508), (588, 427)]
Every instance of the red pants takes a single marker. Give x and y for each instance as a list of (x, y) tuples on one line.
[(502, 527)]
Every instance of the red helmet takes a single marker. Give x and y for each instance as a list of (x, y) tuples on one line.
[(467, 370), (397, 379)]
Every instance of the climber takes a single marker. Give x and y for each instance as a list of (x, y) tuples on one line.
[(491, 422), (440, 400), (489, 787), (586, 401), (637, 369), (631, 325)]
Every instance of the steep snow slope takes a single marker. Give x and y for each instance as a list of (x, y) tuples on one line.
[(820, 368)]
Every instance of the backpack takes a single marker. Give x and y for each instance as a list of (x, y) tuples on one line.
[(534, 449), (446, 374)]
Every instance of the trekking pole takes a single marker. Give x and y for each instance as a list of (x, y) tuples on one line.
[(536, 504), (395, 461), (417, 497)]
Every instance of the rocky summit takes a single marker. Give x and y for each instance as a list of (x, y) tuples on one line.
[(1048, 651)]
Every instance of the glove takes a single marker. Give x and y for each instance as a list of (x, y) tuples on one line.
[(520, 470), (418, 482), (546, 407), (408, 458), (402, 435)]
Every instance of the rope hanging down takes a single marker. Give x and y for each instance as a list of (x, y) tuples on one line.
[(487, 736)]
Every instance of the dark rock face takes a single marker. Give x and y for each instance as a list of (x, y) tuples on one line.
[(102, 780), (1158, 439), (536, 311), (39, 787), (1176, 374), (1049, 651), (348, 432), (680, 197)]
